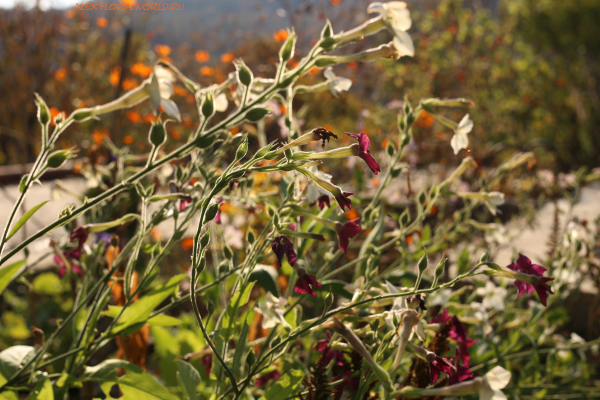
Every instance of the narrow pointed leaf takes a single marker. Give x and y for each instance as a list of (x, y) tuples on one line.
[(24, 219)]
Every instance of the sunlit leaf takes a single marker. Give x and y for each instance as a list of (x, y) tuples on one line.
[(24, 218)]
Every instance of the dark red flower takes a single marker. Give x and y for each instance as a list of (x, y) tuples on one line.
[(343, 200), (184, 202), (458, 333), (439, 364), (218, 216), (282, 246), (263, 379), (80, 234), (347, 231), (364, 152), (351, 384), (69, 254), (330, 354), (460, 372), (305, 281), (206, 361), (525, 266), (322, 201)]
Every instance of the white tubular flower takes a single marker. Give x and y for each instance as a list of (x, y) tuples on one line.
[(161, 89), (397, 18), (409, 323), (315, 191), (398, 310), (272, 309), (487, 387), (491, 200), (336, 83), (493, 296), (460, 140)]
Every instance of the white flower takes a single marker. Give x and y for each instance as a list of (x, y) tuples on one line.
[(336, 83), (460, 140), (315, 191), (272, 309), (221, 103), (497, 378), (397, 18), (161, 89), (493, 296), (399, 310), (494, 199)]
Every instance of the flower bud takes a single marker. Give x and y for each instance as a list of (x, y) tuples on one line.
[(227, 252), (158, 135), (43, 113), (211, 213), (58, 158), (328, 302), (205, 239), (82, 114), (423, 263), (208, 105), (204, 141), (439, 270), (324, 61), (390, 149), (242, 149), (256, 114), (250, 359), (250, 238), (244, 73), (327, 30), (287, 50)]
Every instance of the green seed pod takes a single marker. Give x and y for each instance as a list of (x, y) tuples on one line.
[(422, 198), (287, 50), (58, 158), (328, 302), (201, 264), (250, 237), (405, 140), (227, 252), (242, 149), (83, 114), (211, 213), (396, 172), (43, 113), (404, 218), (205, 239), (390, 149), (290, 190), (251, 358), (484, 257), (205, 141), (256, 114), (275, 342), (423, 263), (327, 30), (324, 61), (224, 267), (157, 135), (23, 182), (244, 73), (439, 269), (208, 105)]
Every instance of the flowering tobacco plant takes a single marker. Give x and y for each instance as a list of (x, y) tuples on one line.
[(257, 304)]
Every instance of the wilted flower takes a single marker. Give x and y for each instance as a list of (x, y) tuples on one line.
[(397, 19), (524, 265), (263, 379), (272, 309), (364, 152), (281, 245), (460, 140), (336, 83), (306, 282)]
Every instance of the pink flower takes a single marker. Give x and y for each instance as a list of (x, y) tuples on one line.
[(343, 200), (79, 234), (282, 246), (263, 379), (305, 281), (218, 216), (184, 202), (364, 152), (347, 231), (525, 266)]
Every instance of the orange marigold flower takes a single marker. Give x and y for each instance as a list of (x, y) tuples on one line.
[(202, 56), (115, 75), (207, 71), (60, 74), (141, 69), (227, 57), (162, 50), (129, 84), (101, 22), (128, 139), (187, 243), (133, 116), (281, 35)]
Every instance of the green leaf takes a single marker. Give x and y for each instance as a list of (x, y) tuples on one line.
[(239, 299), (266, 277), (43, 390), (7, 273), (47, 283), (463, 261), (285, 386), (239, 349), (139, 311), (189, 377), (24, 218), (13, 358), (164, 320), (425, 234)]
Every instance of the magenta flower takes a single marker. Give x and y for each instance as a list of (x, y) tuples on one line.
[(439, 364), (218, 216), (364, 152), (79, 234), (525, 266), (331, 354), (347, 231), (263, 379), (282, 246), (322, 201), (206, 361), (343, 200), (184, 202), (458, 333), (460, 372), (306, 282)]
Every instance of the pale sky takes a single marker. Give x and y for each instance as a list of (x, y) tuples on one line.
[(45, 4)]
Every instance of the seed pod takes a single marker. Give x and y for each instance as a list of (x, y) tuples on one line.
[(211, 213), (244, 73), (158, 135), (227, 252), (423, 263), (287, 50), (205, 141), (439, 269), (43, 113), (250, 237), (208, 105), (82, 115), (390, 149), (242, 149), (205, 239), (256, 114), (58, 158), (251, 358), (324, 61)]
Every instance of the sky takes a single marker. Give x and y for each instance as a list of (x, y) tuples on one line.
[(44, 4)]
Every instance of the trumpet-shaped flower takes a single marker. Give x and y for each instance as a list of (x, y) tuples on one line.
[(340, 196), (347, 231), (272, 309), (306, 282), (336, 83), (316, 192), (282, 246), (460, 140), (525, 265), (364, 152), (396, 16)]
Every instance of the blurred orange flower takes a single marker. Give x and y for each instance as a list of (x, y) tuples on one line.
[(162, 50), (313, 70), (281, 35), (128, 139), (375, 181), (179, 91), (128, 2), (174, 133), (60, 74), (352, 65), (129, 84), (425, 119), (202, 56), (351, 214), (115, 75), (53, 113), (207, 71), (133, 116), (560, 82), (141, 69), (227, 57), (150, 118), (190, 98), (70, 14), (335, 2), (102, 22), (187, 243), (99, 134)]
